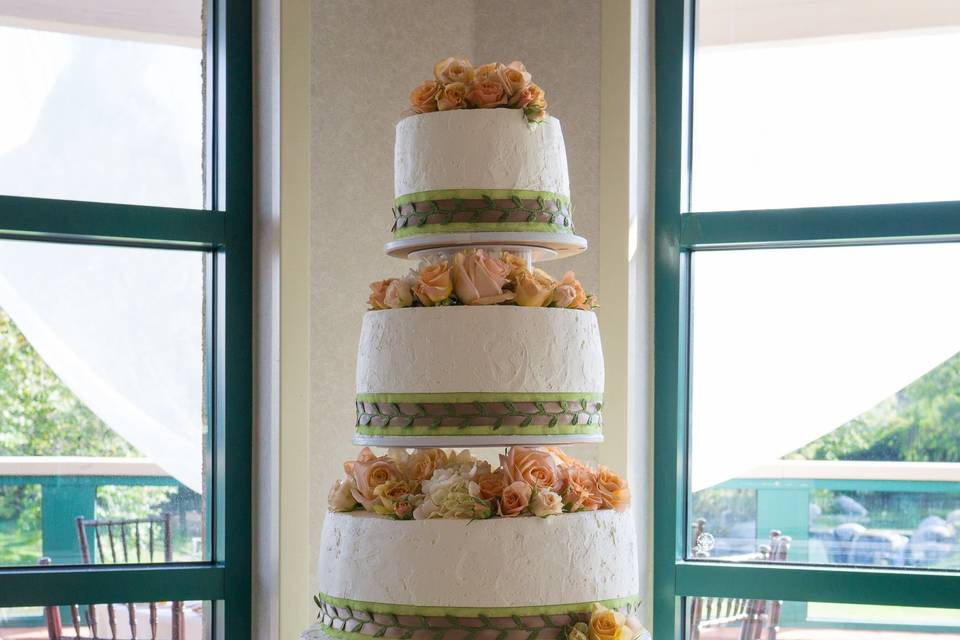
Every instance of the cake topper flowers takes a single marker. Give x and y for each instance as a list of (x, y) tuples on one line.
[(433, 483), (458, 85), (479, 277)]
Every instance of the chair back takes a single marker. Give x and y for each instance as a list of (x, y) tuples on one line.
[(141, 540), (754, 616)]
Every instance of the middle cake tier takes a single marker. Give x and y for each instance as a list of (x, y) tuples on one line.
[(479, 375)]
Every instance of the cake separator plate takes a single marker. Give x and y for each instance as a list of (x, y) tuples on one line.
[(556, 245)]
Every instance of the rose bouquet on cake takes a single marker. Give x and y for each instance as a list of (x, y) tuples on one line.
[(479, 277), (457, 84), (433, 483)]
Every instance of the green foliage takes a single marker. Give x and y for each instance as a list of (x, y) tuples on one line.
[(921, 423)]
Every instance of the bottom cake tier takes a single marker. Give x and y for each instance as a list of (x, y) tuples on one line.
[(501, 579)]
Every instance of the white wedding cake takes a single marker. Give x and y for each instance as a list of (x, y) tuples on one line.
[(477, 346)]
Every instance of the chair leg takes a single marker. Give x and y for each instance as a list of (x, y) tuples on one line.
[(54, 626)]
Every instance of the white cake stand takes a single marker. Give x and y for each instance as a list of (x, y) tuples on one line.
[(446, 442), (555, 245)]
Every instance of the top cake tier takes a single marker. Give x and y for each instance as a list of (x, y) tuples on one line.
[(481, 177)]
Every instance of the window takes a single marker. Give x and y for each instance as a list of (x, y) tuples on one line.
[(125, 318), (807, 353)]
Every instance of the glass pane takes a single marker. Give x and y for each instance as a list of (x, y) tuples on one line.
[(818, 103), (102, 421), (108, 104), (727, 618), (825, 404), (132, 620)]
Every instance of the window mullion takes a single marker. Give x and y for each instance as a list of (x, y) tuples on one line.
[(818, 226), (819, 584), (98, 222), (35, 586)]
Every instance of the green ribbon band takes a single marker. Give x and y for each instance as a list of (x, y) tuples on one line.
[(479, 396), (476, 612), (530, 430), (478, 194), (480, 227)]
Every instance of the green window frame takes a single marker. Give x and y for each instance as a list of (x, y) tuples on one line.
[(677, 235), (223, 229)]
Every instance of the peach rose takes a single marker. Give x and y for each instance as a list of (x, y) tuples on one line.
[(341, 497), (516, 263), (453, 70), (531, 95), (489, 71), (421, 464), (398, 295), (515, 77), (580, 489), (569, 293), (452, 96), (533, 466), (533, 289), (515, 499), (370, 474), (546, 503), (478, 278), (492, 484), (378, 294), (434, 283), (607, 624), (613, 490), (365, 455), (423, 99), (486, 94)]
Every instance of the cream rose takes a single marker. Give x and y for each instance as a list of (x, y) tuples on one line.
[(612, 489), (486, 94), (398, 295), (341, 497), (391, 492), (515, 499), (533, 289), (453, 70), (434, 283), (423, 99), (580, 489), (478, 278), (452, 96), (579, 631), (378, 294), (546, 503), (370, 474), (606, 624), (532, 466)]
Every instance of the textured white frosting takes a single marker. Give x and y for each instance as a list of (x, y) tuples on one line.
[(503, 562), (479, 149), (479, 349)]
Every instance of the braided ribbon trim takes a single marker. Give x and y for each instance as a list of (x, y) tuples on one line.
[(478, 210), (352, 620), (532, 414)]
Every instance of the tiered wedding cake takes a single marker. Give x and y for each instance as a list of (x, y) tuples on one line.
[(477, 347)]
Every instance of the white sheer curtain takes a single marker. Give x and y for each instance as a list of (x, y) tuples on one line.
[(789, 345), (111, 115), (122, 328)]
